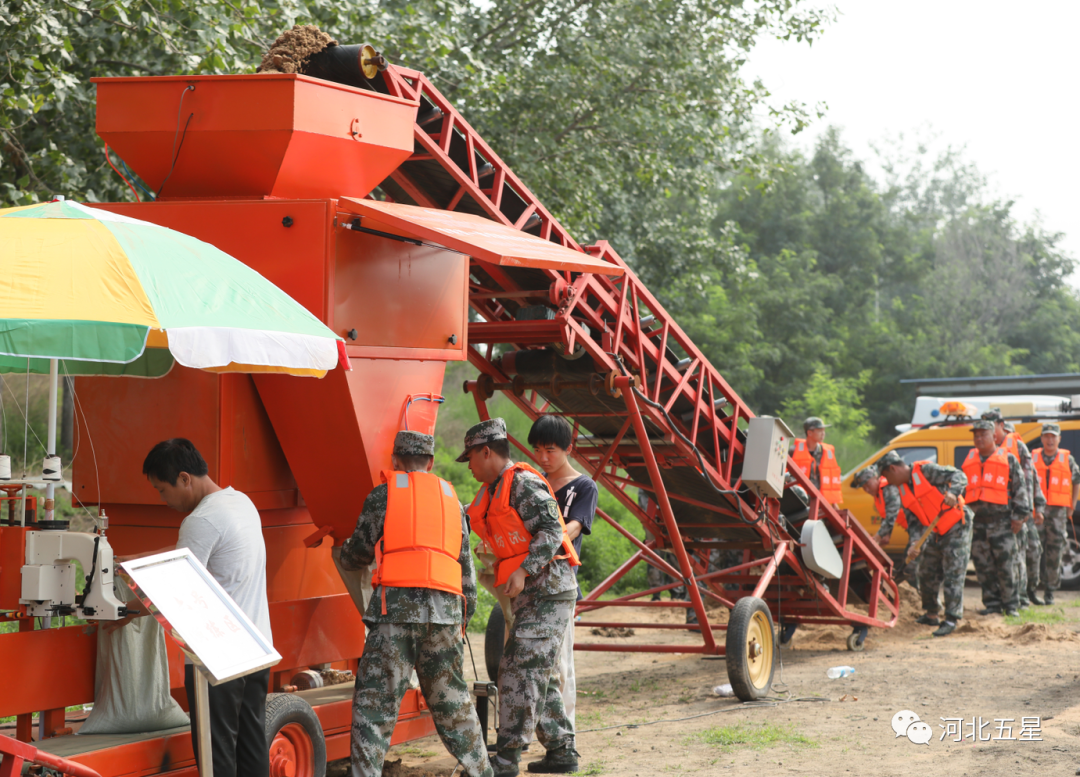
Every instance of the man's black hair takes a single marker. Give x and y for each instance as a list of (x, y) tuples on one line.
[(168, 459), (500, 447), (413, 463), (551, 430)]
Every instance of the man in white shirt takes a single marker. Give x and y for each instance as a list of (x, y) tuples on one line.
[(224, 531)]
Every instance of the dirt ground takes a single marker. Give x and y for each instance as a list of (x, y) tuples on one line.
[(986, 670)]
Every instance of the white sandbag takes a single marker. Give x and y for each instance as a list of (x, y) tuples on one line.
[(131, 680)]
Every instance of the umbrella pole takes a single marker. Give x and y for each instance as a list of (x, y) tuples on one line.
[(50, 439)]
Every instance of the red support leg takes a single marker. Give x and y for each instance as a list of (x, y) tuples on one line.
[(626, 386)]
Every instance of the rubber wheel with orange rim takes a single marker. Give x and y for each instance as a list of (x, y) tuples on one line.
[(297, 744)]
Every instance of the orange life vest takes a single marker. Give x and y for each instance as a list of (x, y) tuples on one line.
[(421, 540), (1055, 477), (1011, 444), (829, 469), (988, 481), (927, 501), (879, 504), (501, 528)]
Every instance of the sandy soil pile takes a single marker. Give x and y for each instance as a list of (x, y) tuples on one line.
[(292, 49)]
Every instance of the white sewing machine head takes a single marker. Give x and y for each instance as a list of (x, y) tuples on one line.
[(48, 577)]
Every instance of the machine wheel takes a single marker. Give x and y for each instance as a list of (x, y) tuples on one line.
[(494, 640), (750, 648), (856, 640), (297, 745)]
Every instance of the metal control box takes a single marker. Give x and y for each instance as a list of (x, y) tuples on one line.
[(765, 461)]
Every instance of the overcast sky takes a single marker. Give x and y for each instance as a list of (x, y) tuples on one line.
[(989, 75)]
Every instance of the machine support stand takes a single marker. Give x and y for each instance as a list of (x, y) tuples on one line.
[(202, 713), (627, 387)]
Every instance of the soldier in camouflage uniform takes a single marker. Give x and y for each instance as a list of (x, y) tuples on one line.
[(944, 557), (993, 544), (1054, 530), (887, 501), (543, 592), (407, 629), (1028, 545)]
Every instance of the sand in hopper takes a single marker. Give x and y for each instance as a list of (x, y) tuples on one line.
[(293, 48)]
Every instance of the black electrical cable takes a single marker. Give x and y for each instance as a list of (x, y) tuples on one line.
[(176, 151), (93, 567)]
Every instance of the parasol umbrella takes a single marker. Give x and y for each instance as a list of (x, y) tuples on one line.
[(96, 293)]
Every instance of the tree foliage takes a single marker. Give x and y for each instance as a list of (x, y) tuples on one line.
[(823, 277), (577, 94)]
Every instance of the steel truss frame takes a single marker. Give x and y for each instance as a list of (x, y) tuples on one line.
[(652, 364)]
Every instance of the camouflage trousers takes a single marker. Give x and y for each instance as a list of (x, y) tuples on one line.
[(943, 564), (391, 652), (656, 578), (1054, 535), (1028, 556), (529, 695), (993, 546), (911, 568)]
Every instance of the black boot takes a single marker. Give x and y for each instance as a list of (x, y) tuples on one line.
[(927, 620), (1033, 595), (561, 761), (505, 763), (1049, 598), (990, 611), (945, 629)]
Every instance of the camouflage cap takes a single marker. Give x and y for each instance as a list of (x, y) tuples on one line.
[(890, 459), (483, 433), (993, 415), (1051, 428), (1009, 426), (414, 444), (813, 422), (985, 424), (864, 476)]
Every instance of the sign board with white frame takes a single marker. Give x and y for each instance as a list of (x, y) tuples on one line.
[(199, 615)]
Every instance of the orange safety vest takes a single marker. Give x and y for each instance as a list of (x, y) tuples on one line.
[(988, 481), (1055, 477), (1011, 444), (829, 469), (501, 528), (928, 502), (421, 540), (879, 505)]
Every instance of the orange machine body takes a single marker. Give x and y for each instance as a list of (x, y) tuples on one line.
[(265, 161)]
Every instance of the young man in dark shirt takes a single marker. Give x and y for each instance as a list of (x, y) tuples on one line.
[(551, 439)]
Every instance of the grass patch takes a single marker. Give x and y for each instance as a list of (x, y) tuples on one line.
[(1036, 615), (756, 737)]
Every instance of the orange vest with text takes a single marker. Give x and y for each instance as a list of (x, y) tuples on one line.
[(1056, 478), (829, 469), (421, 540), (988, 481), (928, 502), (501, 528)]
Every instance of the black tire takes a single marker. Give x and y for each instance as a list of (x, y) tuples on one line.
[(494, 639), (750, 630), (283, 709)]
